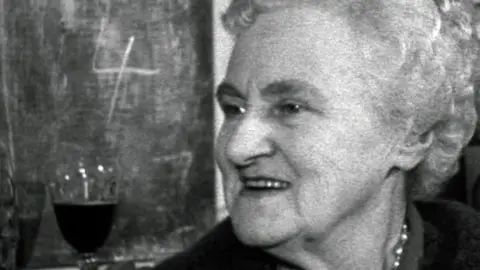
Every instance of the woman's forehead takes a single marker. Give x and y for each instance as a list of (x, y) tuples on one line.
[(302, 42)]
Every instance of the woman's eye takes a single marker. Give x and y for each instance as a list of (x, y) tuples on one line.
[(232, 110), (288, 108)]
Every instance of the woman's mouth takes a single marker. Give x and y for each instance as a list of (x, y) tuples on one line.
[(264, 184)]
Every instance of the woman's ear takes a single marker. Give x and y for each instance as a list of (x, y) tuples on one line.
[(413, 149)]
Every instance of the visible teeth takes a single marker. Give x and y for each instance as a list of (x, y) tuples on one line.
[(265, 184)]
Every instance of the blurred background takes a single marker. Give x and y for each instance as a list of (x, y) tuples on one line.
[(60, 67)]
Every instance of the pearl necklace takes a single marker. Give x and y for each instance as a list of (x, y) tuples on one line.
[(398, 251)]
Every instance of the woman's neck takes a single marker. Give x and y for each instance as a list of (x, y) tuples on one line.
[(362, 241)]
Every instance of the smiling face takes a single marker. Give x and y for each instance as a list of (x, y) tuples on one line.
[(301, 147)]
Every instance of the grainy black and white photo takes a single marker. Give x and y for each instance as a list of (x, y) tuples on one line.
[(239, 134)]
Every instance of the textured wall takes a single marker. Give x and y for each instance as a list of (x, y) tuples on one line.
[(62, 63)]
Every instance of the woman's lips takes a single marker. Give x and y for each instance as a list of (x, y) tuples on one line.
[(260, 183)]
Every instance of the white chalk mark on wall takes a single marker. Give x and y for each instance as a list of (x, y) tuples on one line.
[(102, 41), (128, 70)]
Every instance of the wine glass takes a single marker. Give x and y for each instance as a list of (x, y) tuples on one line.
[(84, 196)]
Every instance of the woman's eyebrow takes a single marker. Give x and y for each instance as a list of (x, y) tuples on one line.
[(276, 89), (290, 88), (228, 89)]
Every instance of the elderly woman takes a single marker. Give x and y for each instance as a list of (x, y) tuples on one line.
[(343, 119)]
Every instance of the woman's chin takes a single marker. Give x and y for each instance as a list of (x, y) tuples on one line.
[(259, 239), (260, 235), (263, 219)]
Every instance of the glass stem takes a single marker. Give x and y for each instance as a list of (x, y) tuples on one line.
[(88, 262)]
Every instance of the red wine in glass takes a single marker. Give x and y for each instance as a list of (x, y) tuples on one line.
[(85, 225), (84, 197)]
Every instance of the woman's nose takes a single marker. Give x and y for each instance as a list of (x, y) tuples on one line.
[(249, 140)]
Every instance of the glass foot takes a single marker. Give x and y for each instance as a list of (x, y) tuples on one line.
[(88, 262)]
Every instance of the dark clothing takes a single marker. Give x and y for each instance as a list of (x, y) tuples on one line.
[(451, 236), (443, 235)]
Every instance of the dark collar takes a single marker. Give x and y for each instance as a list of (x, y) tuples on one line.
[(451, 235)]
